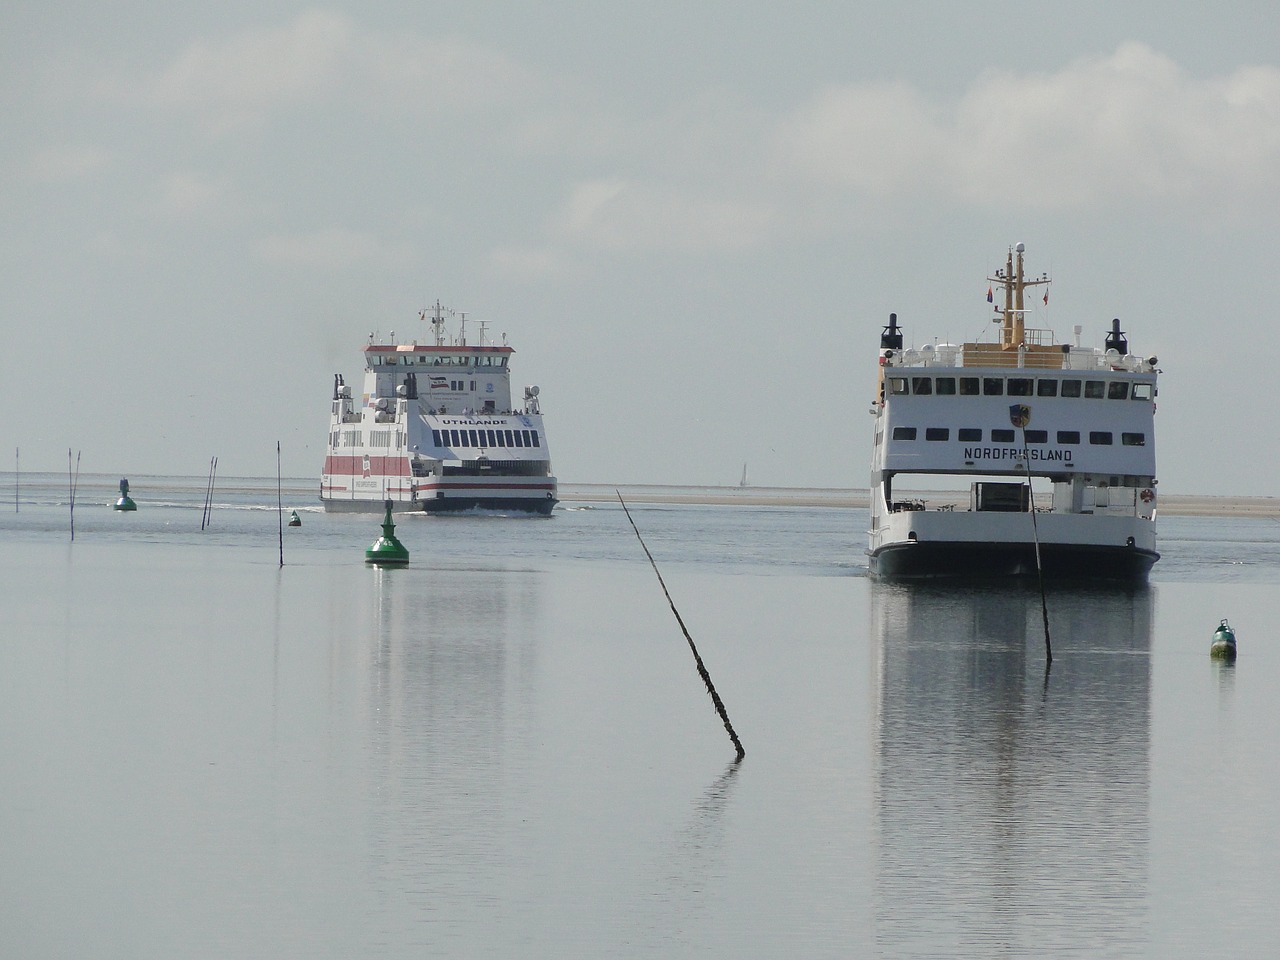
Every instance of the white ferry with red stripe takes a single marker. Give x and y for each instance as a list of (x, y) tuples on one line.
[(1042, 452), (434, 429)]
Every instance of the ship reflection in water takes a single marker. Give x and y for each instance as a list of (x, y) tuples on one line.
[(1011, 805)]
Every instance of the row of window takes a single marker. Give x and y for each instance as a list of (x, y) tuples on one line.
[(428, 361), (377, 438), (1066, 437), (1020, 387), (489, 439)]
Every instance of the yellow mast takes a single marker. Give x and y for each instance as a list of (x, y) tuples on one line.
[(1013, 331)]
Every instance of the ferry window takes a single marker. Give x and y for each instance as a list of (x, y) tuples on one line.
[(1019, 387), (1101, 438), (1118, 390), (391, 360), (462, 437), (937, 433), (1133, 439), (475, 441), (493, 441), (435, 438), (473, 386), (535, 438), (992, 386), (510, 440), (968, 386), (501, 436), (969, 435), (1037, 436), (945, 386), (1141, 391), (1002, 436), (898, 386), (1046, 388), (527, 441), (1069, 436), (1094, 389), (1071, 388), (922, 386), (904, 433), (453, 434), (519, 439)]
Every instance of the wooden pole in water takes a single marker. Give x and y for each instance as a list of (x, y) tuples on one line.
[(279, 504), (208, 494), (702, 669), (1035, 537), (17, 477), (73, 481)]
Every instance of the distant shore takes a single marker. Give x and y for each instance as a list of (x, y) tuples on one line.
[(1171, 504)]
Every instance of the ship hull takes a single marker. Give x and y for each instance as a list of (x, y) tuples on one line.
[(973, 561), (443, 496)]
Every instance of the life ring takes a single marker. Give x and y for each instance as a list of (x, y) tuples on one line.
[(1147, 495)]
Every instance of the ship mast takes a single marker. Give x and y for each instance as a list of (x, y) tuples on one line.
[(1013, 332)]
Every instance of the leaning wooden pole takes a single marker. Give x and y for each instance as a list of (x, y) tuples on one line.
[(702, 668), (1035, 537), (279, 504)]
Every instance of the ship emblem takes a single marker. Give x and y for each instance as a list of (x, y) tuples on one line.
[(1019, 414)]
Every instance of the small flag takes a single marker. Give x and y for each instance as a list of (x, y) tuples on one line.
[(1046, 298), (990, 295)]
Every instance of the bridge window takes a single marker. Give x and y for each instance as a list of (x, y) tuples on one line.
[(435, 438), (898, 386), (1094, 389), (1020, 386), (1100, 438), (968, 386), (1046, 388), (1037, 436), (1071, 388), (1118, 390), (1002, 436), (969, 435), (1133, 439), (904, 433), (1069, 436), (1141, 391), (945, 386), (937, 433), (922, 386), (992, 386)]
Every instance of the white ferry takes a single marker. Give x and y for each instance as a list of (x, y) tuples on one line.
[(1054, 443), (435, 430)]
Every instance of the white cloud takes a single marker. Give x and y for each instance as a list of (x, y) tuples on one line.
[(626, 215), (327, 249), (66, 163), (323, 58), (1130, 125), (184, 194)]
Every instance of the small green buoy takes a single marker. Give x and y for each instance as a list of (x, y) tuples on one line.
[(387, 551), (1223, 646), (125, 502), (294, 519)]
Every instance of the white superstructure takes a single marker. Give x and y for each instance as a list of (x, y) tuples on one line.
[(434, 429), (996, 427)]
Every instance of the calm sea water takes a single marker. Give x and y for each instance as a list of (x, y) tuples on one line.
[(505, 750)]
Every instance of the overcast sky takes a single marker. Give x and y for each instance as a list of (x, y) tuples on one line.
[(691, 219)]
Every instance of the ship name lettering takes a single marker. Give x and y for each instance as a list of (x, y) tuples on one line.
[(1015, 453)]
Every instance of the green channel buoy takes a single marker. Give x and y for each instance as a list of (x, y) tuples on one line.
[(387, 551), (1223, 646), (125, 502), (294, 519)]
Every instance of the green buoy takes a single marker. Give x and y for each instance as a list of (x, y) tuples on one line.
[(294, 519), (125, 502), (1223, 646), (387, 551)]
